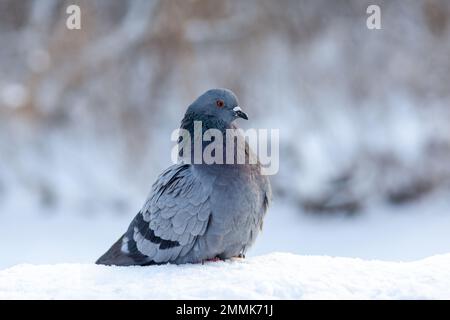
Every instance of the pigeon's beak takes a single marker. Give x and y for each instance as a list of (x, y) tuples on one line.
[(239, 113)]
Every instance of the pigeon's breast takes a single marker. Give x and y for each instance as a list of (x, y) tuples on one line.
[(236, 203)]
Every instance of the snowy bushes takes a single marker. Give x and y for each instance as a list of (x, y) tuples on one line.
[(363, 113)]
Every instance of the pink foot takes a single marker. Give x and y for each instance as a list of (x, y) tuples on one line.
[(215, 259)]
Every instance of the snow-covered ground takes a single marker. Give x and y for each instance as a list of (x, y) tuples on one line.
[(273, 276)]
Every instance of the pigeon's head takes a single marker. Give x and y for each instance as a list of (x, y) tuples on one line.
[(216, 106)]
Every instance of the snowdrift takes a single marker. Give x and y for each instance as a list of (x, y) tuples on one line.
[(273, 276)]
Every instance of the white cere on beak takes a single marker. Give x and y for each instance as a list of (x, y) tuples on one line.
[(236, 109)]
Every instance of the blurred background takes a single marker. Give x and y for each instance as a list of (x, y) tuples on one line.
[(364, 118)]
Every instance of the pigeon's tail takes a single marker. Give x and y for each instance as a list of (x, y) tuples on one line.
[(115, 256)]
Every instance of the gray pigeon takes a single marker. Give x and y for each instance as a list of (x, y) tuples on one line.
[(198, 212)]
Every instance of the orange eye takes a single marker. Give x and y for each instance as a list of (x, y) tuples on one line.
[(220, 103)]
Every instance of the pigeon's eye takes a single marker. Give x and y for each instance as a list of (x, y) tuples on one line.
[(220, 103)]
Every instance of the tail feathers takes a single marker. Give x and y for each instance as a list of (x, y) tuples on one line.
[(115, 256)]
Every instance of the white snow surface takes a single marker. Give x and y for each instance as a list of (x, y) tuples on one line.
[(272, 276)]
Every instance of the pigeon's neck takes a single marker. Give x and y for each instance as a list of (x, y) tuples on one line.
[(193, 146), (207, 122)]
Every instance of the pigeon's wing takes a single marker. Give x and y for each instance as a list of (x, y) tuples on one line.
[(175, 214)]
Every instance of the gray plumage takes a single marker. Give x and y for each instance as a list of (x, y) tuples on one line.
[(198, 212)]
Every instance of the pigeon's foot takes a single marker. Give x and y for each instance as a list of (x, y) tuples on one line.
[(215, 259), (239, 257)]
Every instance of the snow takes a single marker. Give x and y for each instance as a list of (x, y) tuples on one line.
[(13, 95), (272, 276)]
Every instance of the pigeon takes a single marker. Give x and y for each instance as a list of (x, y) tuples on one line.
[(198, 212)]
